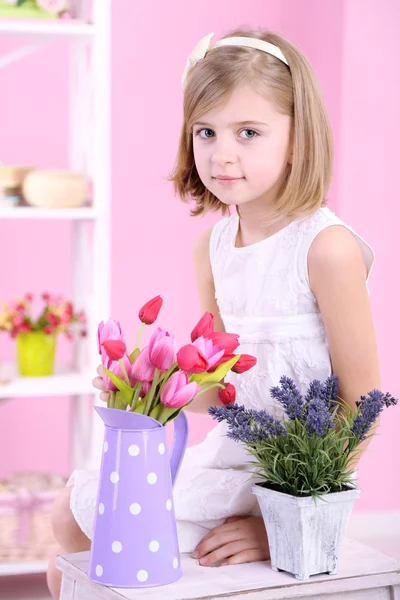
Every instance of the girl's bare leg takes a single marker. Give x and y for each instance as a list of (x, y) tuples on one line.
[(69, 537)]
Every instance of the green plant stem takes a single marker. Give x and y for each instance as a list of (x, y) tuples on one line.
[(139, 335), (150, 395), (124, 371), (111, 399), (210, 387), (167, 374), (136, 395)]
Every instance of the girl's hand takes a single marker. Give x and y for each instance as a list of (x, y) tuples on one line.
[(239, 540), (98, 383)]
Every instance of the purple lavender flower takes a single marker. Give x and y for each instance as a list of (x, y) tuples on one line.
[(318, 419), (315, 390), (369, 409), (248, 426), (330, 392), (289, 396)]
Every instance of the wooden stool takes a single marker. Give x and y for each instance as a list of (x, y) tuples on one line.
[(364, 574)]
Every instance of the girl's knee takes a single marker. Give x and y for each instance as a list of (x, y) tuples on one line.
[(65, 529)]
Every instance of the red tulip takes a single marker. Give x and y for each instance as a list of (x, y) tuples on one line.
[(191, 360), (205, 327), (149, 312), (244, 363), (177, 392), (115, 349), (221, 361), (228, 341), (228, 395)]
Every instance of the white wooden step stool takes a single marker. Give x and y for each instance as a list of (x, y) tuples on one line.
[(364, 574)]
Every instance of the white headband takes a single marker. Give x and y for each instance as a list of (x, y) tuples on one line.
[(203, 47)]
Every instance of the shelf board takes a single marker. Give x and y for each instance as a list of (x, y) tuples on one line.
[(46, 28), (22, 568), (63, 383), (31, 212)]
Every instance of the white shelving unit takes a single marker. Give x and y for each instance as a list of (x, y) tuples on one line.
[(89, 153)]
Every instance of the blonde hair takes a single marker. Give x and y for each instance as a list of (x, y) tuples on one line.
[(295, 92)]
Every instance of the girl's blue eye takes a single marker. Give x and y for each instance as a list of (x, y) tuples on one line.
[(206, 132), (252, 133)]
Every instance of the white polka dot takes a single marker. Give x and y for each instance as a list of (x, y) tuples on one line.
[(161, 448), (154, 546), (151, 478), (114, 477), (99, 570), (105, 446), (175, 563), (169, 504), (142, 575), (116, 547), (101, 508), (133, 450), (135, 508)]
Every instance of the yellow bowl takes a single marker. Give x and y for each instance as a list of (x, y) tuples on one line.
[(55, 189)]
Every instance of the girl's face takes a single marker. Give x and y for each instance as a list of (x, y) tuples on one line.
[(242, 148)]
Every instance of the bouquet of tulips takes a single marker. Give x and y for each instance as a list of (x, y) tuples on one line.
[(159, 380), (57, 316)]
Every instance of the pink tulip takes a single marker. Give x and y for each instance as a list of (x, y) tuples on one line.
[(142, 369), (162, 350), (108, 331), (115, 367), (145, 388), (211, 352), (177, 392), (205, 327)]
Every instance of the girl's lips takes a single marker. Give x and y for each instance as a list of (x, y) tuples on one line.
[(227, 180)]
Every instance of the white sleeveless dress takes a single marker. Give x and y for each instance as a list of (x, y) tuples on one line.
[(263, 294)]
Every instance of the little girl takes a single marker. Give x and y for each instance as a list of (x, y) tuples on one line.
[(282, 271)]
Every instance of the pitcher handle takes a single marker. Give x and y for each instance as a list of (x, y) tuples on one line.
[(181, 431)]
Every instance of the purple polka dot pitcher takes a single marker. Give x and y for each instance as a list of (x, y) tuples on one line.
[(135, 542)]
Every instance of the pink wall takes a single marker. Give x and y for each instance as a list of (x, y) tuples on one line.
[(368, 197), (150, 45)]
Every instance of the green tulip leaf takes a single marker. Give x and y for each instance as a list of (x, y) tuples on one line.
[(126, 391), (217, 375)]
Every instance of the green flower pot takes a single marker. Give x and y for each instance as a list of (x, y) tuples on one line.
[(28, 10), (36, 353)]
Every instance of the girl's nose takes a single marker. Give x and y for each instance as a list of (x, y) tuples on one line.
[(224, 152), (223, 157)]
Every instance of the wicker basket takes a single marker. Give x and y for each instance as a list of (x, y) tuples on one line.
[(25, 516), (55, 189)]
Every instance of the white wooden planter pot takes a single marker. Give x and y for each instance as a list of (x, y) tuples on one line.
[(304, 535)]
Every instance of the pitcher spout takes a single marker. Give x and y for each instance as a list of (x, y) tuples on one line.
[(120, 419)]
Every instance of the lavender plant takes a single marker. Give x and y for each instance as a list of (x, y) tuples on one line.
[(312, 451)]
